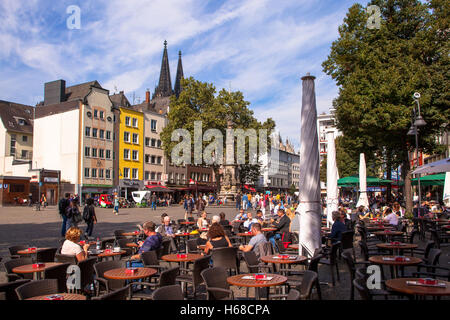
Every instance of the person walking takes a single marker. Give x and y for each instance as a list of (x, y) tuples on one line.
[(62, 206), (89, 217), (116, 205), (73, 214), (153, 201), (238, 201)]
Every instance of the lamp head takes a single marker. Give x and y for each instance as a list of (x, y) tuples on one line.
[(416, 95), (419, 122)]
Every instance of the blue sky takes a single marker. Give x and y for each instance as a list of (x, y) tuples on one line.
[(259, 47)]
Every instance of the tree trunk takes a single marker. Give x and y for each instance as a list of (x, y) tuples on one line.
[(389, 177), (217, 177)]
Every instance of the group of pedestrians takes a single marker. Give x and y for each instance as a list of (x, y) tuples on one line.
[(69, 211)]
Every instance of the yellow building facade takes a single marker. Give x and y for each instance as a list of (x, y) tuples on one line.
[(131, 151)]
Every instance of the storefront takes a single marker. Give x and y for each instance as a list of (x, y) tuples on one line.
[(14, 190), (45, 182), (127, 186), (94, 191)]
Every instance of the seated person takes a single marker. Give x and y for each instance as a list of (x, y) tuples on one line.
[(215, 219), (202, 222), (71, 247), (391, 217), (258, 238), (249, 221), (347, 222), (152, 242), (363, 213), (260, 217), (241, 216), (216, 238), (167, 231), (337, 228), (282, 225), (223, 221)]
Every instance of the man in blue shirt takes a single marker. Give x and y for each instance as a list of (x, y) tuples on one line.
[(152, 242), (337, 228)]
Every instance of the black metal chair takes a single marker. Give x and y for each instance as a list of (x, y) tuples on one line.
[(362, 289), (13, 251), (9, 288), (217, 287), (64, 258), (58, 272), (305, 288), (350, 262), (167, 278), (226, 258), (46, 255), (347, 241), (37, 288), (164, 249), (192, 246), (119, 294), (331, 261), (292, 295), (194, 278), (109, 285), (11, 264), (172, 292), (87, 274)]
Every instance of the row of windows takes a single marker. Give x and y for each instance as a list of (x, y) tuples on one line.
[(197, 176), (153, 175), (97, 173), (134, 154), (134, 173), (133, 122), (155, 143), (127, 136), (153, 159), (96, 133), (98, 153)]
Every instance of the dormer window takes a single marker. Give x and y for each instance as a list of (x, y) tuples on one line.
[(21, 122)]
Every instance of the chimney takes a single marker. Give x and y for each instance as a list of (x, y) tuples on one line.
[(147, 96), (54, 92)]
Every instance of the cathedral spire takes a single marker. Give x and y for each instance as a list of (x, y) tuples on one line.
[(179, 76), (164, 88)]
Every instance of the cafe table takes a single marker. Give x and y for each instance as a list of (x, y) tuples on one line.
[(37, 272), (133, 245), (388, 234), (121, 274), (131, 234), (65, 296), (104, 254), (33, 252), (245, 235), (249, 281), (401, 285), (393, 262), (284, 259), (268, 229), (397, 248)]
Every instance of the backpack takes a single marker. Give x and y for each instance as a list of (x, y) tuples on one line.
[(62, 206), (87, 216)]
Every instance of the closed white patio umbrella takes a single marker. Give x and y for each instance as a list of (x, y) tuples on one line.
[(332, 178), (363, 200)]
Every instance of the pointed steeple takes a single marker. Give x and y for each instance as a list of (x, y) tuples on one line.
[(164, 88), (179, 76)]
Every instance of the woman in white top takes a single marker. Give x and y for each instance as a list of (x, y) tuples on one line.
[(71, 247), (202, 222)]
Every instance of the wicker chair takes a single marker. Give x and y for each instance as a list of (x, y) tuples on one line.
[(37, 288), (58, 272), (87, 273), (217, 287), (109, 285), (11, 264), (167, 278), (46, 255), (9, 288), (13, 251), (172, 292), (195, 278), (119, 294), (226, 258), (332, 261), (64, 258)]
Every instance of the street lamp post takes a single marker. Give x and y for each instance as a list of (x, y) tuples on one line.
[(414, 130)]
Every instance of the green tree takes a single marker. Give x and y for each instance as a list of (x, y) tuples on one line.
[(199, 102), (378, 70)]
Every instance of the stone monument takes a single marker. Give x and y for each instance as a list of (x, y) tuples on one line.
[(230, 172)]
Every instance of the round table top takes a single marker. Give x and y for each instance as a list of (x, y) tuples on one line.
[(274, 259), (379, 260), (187, 222), (28, 268), (186, 234), (388, 233), (92, 243), (127, 234), (245, 234), (111, 254), (132, 245), (400, 285), (238, 281), (189, 257), (293, 246), (397, 246), (66, 296), (268, 229), (120, 274), (26, 251)]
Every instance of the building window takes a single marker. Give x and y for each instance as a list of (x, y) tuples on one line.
[(147, 142), (86, 172), (152, 176), (127, 121), (126, 154), (95, 113), (159, 144), (100, 173), (108, 174), (108, 154), (114, 136), (158, 160), (153, 142), (147, 158), (94, 152), (108, 135), (101, 153), (158, 176), (24, 138), (153, 159), (102, 134), (16, 188), (94, 132), (147, 175), (13, 145), (135, 155), (135, 138), (24, 154), (135, 174), (88, 132), (102, 114), (153, 125), (135, 122), (94, 173), (87, 152), (126, 136), (126, 173)]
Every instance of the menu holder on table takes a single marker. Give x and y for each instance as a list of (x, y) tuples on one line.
[(396, 243), (181, 256), (38, 265), (131, 270), (54, 297), (397, 259), (32, 249), (427, 282), (262, 277)]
